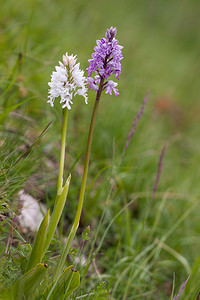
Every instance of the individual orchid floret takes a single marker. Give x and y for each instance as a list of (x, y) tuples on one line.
[(106, 61), (111, 87), (67, 81)]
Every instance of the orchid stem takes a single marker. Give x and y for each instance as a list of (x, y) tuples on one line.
[(62, 152)]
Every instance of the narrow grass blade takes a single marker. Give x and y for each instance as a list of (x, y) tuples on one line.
[(28, 151), (64, 286), (191, 290), (181, 289), (29, 282), (177, 255), (55, 217), (106, 231), (4, 114), (36, 253)]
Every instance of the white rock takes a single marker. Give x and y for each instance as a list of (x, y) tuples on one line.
[(31, 213)]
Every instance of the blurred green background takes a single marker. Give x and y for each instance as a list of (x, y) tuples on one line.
[(161, 41)]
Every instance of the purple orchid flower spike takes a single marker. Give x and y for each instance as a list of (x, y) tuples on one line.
[(106, 61)]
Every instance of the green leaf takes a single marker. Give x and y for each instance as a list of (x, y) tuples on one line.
[(5, 294), (37, 250), (55, 217), (29, 282), (63, 287)]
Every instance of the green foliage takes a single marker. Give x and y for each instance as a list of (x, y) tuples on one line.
[(73, 252), (161, 52), (27, 285), (100, 292), (86, 234), (24, 252), (192, 289), (63, 286)]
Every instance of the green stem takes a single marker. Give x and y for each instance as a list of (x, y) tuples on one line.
[(61, 191), (83, 186), (87, 158), (62, 152)]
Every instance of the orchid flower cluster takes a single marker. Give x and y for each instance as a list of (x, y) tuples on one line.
[(106, 60), (66, 82), (69, 80)]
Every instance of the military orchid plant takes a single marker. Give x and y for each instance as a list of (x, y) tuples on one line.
[(67, 81)]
